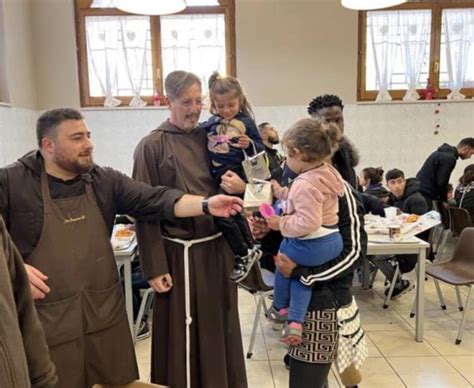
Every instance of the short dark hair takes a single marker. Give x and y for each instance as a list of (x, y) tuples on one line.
[(262, 126), (394, 174), (467, 141), (326, 101), (49, 120)]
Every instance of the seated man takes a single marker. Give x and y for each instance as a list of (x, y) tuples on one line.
[(405, 195)]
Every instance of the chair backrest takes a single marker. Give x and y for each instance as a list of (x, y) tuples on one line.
[(255, 281), (464, 250), (459, 219), (442, 208)]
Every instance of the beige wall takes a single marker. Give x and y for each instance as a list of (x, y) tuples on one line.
[(291, 51), (55, 53), (19, 53), (287, 51)]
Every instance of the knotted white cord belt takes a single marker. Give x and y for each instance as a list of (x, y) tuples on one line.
[(187, 295)]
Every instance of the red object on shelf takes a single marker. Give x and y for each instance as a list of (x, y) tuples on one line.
[(156, 98), (429, 91)]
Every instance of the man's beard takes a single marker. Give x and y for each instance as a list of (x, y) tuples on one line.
[(78, 166)]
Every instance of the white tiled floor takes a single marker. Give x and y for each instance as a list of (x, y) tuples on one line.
[(396, 360)]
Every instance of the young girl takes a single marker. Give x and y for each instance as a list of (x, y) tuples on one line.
[(231, 132), (309, 220), (371, 180)]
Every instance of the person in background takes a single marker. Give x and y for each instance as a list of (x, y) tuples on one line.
[(450, 195), (196, 340), (405, 195), (232, 134), (330, 108), (435, 173), (25, 361), (464, 195), (275, 160), (370, 179)]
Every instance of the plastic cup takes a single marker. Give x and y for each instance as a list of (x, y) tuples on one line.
[(390, 212), (266, 210)]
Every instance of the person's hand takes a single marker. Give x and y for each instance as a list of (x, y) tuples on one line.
[(162, 283), (37, 279), (276, 188), (225, 205), (231, 183), (284, 264), (244, 141), (274, 222), (258, 227)]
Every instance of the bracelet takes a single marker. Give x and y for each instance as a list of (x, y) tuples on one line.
[(205, 206)]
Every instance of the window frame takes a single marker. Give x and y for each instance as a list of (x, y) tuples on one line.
[(436, 7), (82, 10)]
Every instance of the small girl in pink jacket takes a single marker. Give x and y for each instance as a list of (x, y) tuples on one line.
[(309, 219)]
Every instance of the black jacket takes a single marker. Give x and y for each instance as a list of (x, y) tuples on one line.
[(436, 171), (464, 196), (344, 160), (412, 201), (377, 190), (373, 205), (274, 160)]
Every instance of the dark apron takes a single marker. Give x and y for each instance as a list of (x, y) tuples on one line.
[(84, 315)]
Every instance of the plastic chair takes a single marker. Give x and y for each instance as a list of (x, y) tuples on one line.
[(459, 271), (259, 282), (459, 219)]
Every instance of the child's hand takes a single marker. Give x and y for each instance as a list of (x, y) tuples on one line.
[(244, 141), (274, 222), (276, 188)]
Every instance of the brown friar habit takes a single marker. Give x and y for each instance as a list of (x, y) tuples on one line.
[(170, 156)]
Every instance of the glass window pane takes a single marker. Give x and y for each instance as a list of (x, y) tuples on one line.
[(457, 47), (397, 44), (194, 43), (102, 4), (119, 55)]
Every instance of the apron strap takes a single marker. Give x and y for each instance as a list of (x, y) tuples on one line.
[(187, 295)]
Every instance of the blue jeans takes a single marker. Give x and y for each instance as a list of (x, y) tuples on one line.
[(293, 294)]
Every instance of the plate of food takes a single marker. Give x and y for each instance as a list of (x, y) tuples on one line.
[(122, 236)]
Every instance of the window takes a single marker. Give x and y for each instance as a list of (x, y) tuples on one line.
[(124, 58), (402, 47)]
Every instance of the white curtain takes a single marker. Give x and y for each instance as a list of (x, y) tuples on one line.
[(134, 35), (194, 43), (458, 27), (385, 42), (103, 50), (415, 28)]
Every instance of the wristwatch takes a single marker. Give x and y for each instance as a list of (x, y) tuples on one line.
[(205, 206)]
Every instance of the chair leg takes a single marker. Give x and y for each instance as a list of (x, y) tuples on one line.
[(372, 279), (464, 317), (141, 310), (413, 309), (458, 296), (440, 294), (392, 286), (444, 239), (261, 301)]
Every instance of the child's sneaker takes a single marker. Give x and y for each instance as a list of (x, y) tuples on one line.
[(243, 265), (293, 333), (276, 316)]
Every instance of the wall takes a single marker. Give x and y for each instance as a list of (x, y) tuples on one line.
[(19, 53), (291, 51)]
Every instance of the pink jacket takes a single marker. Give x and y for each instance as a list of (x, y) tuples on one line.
[(311, 201)]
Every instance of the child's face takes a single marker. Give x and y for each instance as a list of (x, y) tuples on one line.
[(227, 106), (294, 162)]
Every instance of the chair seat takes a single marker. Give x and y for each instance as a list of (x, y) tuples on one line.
[(455, 273)]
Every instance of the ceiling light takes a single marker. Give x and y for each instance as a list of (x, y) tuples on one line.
[(364, 5), (151, 7)]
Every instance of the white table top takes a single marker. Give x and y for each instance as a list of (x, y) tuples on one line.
[(411, 245), (130, 250)]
